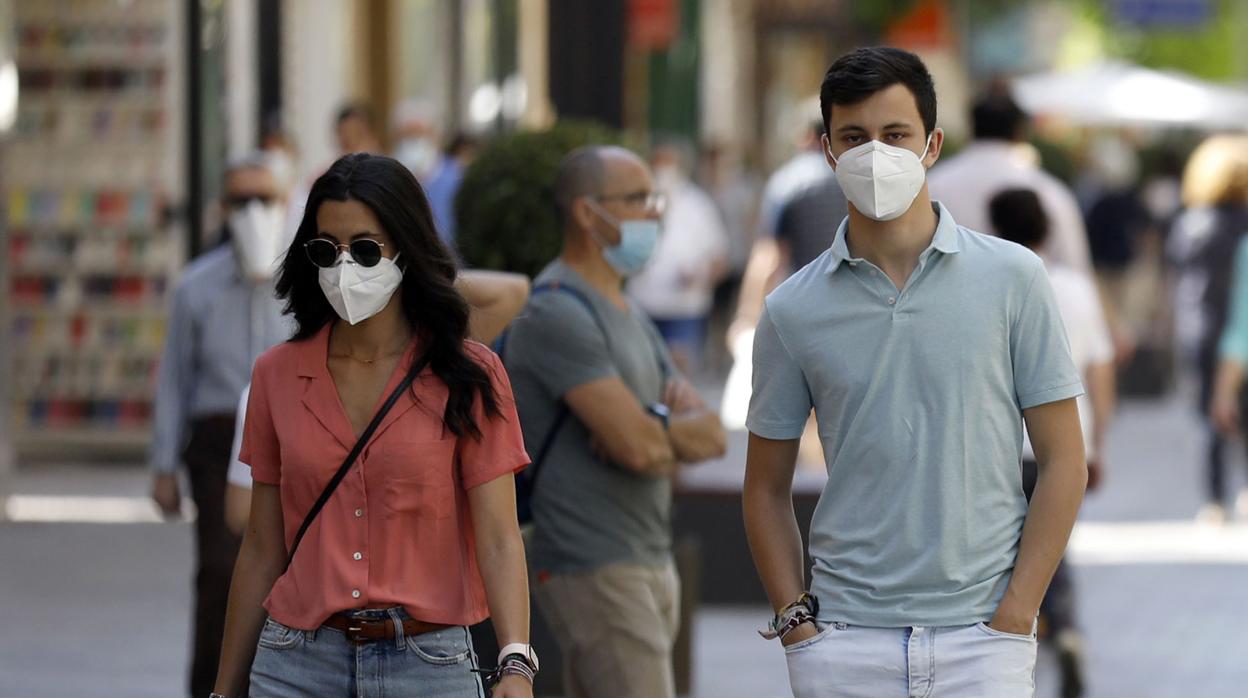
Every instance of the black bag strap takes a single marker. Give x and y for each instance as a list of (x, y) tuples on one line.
[(354, 454)]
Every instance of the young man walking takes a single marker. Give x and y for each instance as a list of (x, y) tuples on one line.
[(607, 421), (922, 347)]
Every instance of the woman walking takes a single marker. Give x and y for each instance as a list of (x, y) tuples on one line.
[(1203, 243), (382, 445)]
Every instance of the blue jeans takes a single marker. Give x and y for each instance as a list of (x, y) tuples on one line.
[(323, 662), (968, 661)]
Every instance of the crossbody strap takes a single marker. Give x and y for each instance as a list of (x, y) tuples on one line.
[(354, 454)]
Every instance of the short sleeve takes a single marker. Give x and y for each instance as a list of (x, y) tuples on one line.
[(500, 450), (239, 473), (260, 448), (781, 402), (559, 343), (1044, 371)]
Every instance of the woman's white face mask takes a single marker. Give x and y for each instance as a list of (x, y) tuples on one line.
[(881, 180), (358, 292)]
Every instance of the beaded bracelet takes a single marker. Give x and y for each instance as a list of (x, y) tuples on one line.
[(802, 611)]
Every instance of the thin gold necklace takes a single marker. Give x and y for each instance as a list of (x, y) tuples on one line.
[(373, 360)]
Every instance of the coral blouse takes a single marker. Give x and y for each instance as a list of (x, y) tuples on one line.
[(397, 531)]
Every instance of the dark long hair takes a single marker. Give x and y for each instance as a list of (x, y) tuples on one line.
[(434, 309)]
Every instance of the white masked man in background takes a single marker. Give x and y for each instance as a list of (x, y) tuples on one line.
[(224, 315)]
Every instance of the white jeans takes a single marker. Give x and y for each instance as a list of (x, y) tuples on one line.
[(968, 661)]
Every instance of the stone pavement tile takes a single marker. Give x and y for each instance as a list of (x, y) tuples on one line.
[(94, 610)]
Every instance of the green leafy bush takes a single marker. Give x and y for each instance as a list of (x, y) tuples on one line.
[(505, 207)]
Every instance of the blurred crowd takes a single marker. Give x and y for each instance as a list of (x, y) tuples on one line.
[(1144, 245)]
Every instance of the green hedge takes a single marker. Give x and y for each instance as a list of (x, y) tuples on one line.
[(505, 207)]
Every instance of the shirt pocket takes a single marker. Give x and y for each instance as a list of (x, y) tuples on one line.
[(420, 479)]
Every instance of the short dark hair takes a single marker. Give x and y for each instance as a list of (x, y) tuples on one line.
[(460, 142), (996, 116), (583, 172), (434, 309), (1018, 216), (864, 71), (356, 110)]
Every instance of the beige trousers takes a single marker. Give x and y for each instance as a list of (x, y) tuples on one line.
[(616, 626)]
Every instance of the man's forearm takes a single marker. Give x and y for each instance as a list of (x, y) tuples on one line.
[(776, 545), (1054, 507), (770, 522), (697, 437)]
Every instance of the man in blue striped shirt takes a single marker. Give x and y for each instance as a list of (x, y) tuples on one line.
[(224, 315)]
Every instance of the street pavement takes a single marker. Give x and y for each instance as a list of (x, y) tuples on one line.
[(95, 609)]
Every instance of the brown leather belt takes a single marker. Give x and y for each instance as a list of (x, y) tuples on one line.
[(361, 630)]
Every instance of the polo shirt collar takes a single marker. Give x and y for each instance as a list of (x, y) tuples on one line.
[(945, 239)]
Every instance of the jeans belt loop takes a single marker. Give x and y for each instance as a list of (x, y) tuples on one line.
[(399, 644)]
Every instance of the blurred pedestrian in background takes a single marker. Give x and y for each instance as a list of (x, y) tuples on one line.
[(224, 315), (419, 539), (416, 137), (997, 158), (1204, 245), (1228, 407), (1018, 215), (1122, 236), (736, 191), (443, 183), (608, 419), (356, 129), (801, 207), (677, 286)]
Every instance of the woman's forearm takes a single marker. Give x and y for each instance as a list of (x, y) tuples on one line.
[(245, 615), (501, 559)]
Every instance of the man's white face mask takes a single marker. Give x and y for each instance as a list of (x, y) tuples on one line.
[(880, 180), (260, 238)]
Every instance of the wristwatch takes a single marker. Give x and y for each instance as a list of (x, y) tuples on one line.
[(519, 649), (662, 412)]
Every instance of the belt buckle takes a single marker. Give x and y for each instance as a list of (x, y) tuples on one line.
[(355, 630)]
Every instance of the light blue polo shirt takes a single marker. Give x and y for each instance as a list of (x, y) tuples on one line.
[(919, 396)]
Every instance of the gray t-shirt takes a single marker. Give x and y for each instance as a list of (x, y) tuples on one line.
[(587, 512)]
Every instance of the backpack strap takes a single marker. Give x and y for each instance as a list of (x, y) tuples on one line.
[(526, 481)]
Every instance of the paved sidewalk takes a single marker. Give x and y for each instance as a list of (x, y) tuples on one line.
[(92, 609)]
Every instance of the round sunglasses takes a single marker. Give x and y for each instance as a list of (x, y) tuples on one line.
[(365, 252)]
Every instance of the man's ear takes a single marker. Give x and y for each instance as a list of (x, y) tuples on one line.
[(583, 213), (827, 150), (933, 150)]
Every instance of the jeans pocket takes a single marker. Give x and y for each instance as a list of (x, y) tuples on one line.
[(441, 648), (275, 636), (993, 632), (811, 641)]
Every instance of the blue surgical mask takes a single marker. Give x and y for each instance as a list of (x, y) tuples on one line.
[(638, 239)]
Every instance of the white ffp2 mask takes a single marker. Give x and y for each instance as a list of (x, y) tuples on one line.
[(260, 239), (358, 292), (881, 180)]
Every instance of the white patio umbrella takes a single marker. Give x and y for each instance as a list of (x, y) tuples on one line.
[(1114, 93)]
